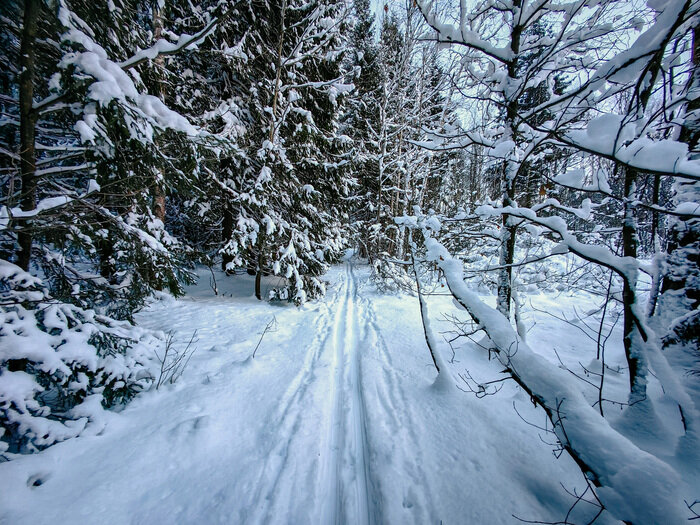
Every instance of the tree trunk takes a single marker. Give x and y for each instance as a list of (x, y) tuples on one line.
[(510, 171), (505, 274), (691, 133), (226, 234), (382, 156), (159, 201), (684, 235), (656, 246), (105, 248), (27, 129), (682, 273), (159, 183), (278, 72), (508, 233), (258, 276), (635, 361)]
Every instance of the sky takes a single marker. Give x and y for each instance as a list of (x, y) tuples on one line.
[(377, 9), (377, 5)]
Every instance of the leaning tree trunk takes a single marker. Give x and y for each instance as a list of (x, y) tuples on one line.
[(425, 319), (27, 128)]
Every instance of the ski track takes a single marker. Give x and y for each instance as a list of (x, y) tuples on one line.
[(342, 479), (398, 413), (287, 420), (313, 451), (344, 475), (345, 490)]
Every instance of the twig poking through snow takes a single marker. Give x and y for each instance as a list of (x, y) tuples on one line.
[(173, 362), (270, 327)]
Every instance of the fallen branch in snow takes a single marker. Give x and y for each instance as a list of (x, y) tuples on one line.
[(270, 327), (633, 485), (578, 498), (480, 389)]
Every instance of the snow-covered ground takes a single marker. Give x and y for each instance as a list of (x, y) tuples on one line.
[(337, 419)]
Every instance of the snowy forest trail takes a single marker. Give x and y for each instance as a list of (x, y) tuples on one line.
[(345, 472), (337, 420), (331, 364)]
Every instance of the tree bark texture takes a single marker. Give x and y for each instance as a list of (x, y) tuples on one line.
[(27, 129)]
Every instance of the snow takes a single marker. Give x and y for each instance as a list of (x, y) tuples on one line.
[(627, 474), (688, 208), (337, 419), (625, 66), (605, 135)]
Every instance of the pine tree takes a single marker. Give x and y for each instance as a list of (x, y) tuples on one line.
[(77, 210), (292, 146)]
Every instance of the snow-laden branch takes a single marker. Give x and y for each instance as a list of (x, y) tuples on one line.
[(61, 169), (574, 180), (111, 78), (663, 157), (628, 68), (164, 48), (44, 206), (462, 35), (634, 486), (628, 65), (625, 267), (443, 142)]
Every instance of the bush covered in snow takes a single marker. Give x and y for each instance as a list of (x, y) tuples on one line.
[(60, 365)]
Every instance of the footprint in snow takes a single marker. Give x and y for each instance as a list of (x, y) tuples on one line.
[(190, 427), (38, 479)]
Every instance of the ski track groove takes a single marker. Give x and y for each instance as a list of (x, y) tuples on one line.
[(345, 473), (398, 405), (344, 481), (287, 421), (366, 505)]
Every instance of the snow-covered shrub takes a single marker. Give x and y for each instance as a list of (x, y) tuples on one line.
[(60, 364), (279, 294), (298, 290), (390, 277)]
